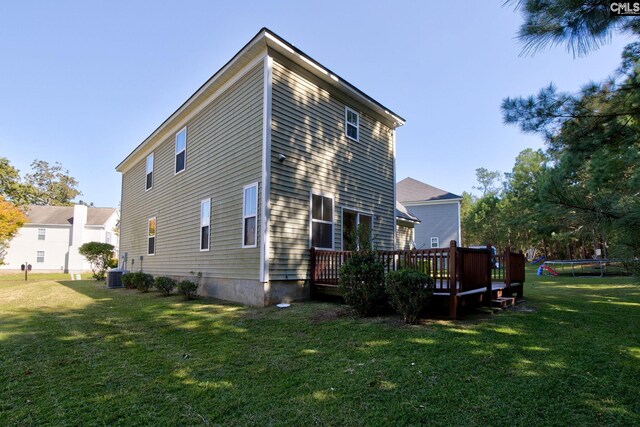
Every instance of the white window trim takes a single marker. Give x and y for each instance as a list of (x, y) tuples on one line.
[(153, 159), (43, 257), (346, 123), (44, 234), (332, 222), (155, 240), (244, 217), (175, 146), (358, 213), (202, 202), (437, 241)]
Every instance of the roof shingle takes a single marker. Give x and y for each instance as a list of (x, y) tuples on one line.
[(63, 215), (412, 190)]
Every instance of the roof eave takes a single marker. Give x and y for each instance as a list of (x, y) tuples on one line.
[(254, 41), (282, 46), (279, 44), (416, 221), (427, 202)]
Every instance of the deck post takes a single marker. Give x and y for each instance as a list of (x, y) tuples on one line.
[(521, 292), (453, 281), (312, 280), (489, 292), (507, 267)]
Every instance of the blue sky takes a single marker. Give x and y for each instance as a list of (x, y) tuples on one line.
[(84, 82)]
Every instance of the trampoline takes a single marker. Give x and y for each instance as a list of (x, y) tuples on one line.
[(588, 267)]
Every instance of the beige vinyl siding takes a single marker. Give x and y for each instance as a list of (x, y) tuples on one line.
[(224, 153), (308, 128), (404, 235)]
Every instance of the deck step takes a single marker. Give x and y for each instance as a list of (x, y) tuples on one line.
[(503, 302), (327, 289)]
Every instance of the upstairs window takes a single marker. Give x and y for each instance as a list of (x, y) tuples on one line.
[(181, 150), (149, 182), (321, 221), (40, 256), (352, 123), (107, 237), (205, 224), (42, 233), (249, 216), (435, 242), (151, 236)]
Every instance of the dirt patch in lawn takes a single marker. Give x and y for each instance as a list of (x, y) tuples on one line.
[(523, 307), (330, 314)]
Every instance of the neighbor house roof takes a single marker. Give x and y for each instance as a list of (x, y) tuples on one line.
[(99, 216), (63, 215), (403, 213), (265, 39), (412, 190)]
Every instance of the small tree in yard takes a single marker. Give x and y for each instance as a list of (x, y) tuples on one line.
[(361, 277), (99, 256)]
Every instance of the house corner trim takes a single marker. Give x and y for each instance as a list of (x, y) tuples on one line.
[(266, 170)]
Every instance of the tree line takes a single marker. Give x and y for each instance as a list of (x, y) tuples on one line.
[(581, 193)]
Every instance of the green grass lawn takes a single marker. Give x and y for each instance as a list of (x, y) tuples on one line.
[(75, 353)]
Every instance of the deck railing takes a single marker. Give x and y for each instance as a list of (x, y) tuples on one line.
[(514, 267), (454, 270)]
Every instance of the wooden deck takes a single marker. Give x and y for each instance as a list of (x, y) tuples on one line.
[(459, 274)]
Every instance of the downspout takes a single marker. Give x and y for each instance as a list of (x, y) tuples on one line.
[(395, 219)]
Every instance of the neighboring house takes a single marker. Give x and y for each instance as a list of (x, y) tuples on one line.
[(405, 228), (49, 241), (438, 211), (274, 154)]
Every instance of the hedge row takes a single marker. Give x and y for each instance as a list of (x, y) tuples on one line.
[(143, 282)]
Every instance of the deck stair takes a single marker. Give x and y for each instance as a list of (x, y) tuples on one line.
[(503, 302)]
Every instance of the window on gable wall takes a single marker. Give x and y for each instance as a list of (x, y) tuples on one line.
[(42, 233), (352, 123), (321, 221), (205, 224), (181, 150), (151, 236), (435, 242), (249, 216), (149, 181)]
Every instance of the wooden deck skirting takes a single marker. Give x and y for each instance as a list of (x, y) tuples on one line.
[(456, 271)]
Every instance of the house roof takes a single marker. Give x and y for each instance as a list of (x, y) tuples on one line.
[(265, 39), (99, 216), (412, 190), (403, 213), (63, 215)]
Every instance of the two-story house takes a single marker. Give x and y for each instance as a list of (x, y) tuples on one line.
[(50, 240), (438, 211), (274, 154)]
